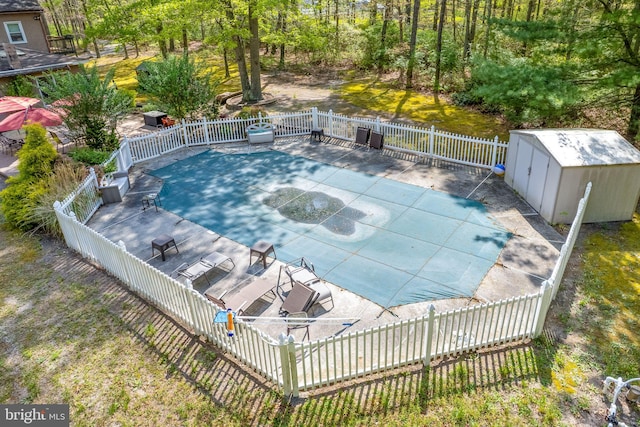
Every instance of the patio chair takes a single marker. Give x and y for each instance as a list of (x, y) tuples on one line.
[(298, 321), (241, 299), (303, 272), (376, 140), (167, 122), (60, 140), (362, 135), (300, 298), (202, 267)]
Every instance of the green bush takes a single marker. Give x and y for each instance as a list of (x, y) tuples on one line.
[(89, 156), (18, 201), (19, 86), (37, 158)]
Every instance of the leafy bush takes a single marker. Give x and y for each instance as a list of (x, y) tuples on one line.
[(89, 156), (92, 105), (248, 112), (18, 86), (181, 87), (524, 92), (36, 155), (19, 199)]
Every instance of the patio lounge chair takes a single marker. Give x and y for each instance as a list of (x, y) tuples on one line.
[(300, 299), (362, 136), (202, 267), (242, 299)]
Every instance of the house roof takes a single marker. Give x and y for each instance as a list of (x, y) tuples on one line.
[(585, 147), (19, 6), (32, 61)]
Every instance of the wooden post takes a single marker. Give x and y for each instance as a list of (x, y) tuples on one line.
[(314, 118)]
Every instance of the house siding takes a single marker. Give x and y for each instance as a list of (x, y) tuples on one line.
[(35, 30)]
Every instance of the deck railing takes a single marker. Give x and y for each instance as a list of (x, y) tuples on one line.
[(295, 366)]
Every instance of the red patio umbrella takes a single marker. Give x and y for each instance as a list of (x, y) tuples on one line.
[(11, 104), (16, 120)]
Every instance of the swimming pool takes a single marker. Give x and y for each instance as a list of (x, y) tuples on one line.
[(390, 242)]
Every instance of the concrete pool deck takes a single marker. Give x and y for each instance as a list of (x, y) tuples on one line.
[(526, 260)]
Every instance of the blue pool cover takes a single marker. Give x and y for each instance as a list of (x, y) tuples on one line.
[(390, 242)]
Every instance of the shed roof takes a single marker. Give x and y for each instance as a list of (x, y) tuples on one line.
[(585, 147), (19, 6)]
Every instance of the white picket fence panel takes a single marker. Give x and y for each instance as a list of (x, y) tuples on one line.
[(467, 150), (302, 366)]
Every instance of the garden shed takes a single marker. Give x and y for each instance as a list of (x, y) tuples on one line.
[(550, 169)]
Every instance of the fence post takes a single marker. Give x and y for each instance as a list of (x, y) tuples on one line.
[(432, 132), (314, 118), (184, 133), (378, 124), (429, 333), (206, 130), (283, 341), (330, 114), (494, 154), (259, 116), (293, 370), (547, 291)]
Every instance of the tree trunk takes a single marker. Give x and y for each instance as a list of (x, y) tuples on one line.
[(185, 42), (488, 33), (400, 23), (436, 80), (383, 34), (161, 42), (227, 74), (412, 42), (453, 19), (54, 16), (634, 118), (435, 16), (466, 49), (245, 84), (254, 54), (284, 30), (93, 39)]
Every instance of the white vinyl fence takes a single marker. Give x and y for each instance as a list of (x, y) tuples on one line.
[(467, 150), (292, 366)]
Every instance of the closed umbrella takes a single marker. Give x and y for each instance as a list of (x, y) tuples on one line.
[(15, 121), (11, 104)]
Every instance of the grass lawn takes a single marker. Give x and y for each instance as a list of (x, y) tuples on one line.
[(71, 334)]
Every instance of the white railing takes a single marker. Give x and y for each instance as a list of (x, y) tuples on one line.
[(250, 345), (567, 247), (302, 366), (467, 150), (84, 200)]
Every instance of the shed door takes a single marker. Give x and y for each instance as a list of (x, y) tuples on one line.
[(537, 179), (522, 170)]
